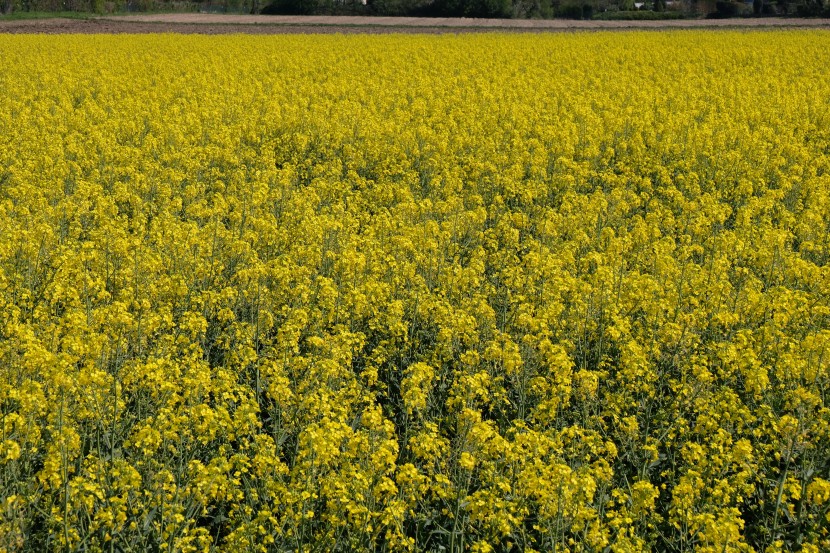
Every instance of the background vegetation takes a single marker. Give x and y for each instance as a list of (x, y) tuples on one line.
[(571, 9)]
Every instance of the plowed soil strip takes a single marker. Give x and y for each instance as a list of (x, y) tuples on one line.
[(191, 23)]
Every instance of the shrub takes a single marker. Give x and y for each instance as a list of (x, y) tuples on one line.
[(725, 8)]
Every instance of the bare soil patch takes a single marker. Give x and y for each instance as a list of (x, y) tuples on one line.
[(196, 23)]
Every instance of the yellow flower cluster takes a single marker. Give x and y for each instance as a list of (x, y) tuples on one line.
[(489, 292)]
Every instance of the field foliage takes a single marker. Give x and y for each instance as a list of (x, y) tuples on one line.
[(528, 292)]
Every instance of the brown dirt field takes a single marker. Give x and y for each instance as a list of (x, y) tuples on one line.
[(193, 23)]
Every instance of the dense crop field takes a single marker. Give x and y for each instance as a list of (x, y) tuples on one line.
[(553, 293)]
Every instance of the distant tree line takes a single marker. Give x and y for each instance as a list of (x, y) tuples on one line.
[(520, 9), (129, 6)]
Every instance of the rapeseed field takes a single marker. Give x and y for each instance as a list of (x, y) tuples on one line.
[(403, 293)]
